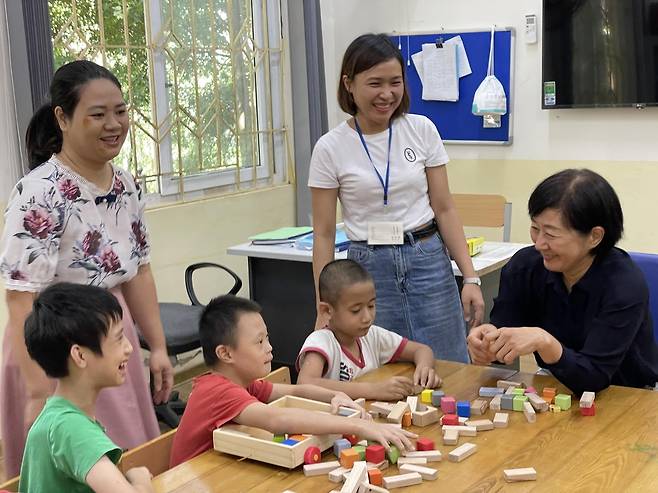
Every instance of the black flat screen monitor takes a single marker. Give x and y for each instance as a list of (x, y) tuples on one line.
[(598, 53)]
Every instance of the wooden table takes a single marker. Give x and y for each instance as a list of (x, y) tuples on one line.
[(616, 450)]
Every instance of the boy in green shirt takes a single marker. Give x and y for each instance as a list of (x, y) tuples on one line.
[(75, 334)]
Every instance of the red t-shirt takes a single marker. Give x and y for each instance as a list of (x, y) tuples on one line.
[(215, 400)]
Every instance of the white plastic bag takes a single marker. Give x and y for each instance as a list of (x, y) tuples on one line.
[(490, 98)]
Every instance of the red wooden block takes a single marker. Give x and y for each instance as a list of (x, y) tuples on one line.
[(375, 477), (406, 420), (450, 419), (353, 439), (588, 411), (424, 444), (312, 455), (375, 453)]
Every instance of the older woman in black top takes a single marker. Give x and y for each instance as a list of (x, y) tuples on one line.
[(574, 299)]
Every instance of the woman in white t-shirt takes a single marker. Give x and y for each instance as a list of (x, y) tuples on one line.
[(387, 167)]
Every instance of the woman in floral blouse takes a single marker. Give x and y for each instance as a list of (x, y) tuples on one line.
[(77, 218)]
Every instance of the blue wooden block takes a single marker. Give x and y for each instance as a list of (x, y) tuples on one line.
[(464, 409), (436, 397), (290, 442), (340, 444), (490, 391), (507, 402)]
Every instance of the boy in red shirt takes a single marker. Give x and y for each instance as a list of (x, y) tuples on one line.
[(237, 350)]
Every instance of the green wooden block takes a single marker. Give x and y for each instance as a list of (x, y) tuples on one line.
[(563, 401), (279, 438), (519, 391), (518, 402), (361, 450), (393, 454)]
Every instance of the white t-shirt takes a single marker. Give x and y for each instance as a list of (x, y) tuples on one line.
[(340, 161), (378, 347)]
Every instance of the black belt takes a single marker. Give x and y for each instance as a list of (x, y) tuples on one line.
[(419, 234)]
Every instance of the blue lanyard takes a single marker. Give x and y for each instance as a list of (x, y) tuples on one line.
[(388, 157)]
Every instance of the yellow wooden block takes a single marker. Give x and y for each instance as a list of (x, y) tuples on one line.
[(426, 396)]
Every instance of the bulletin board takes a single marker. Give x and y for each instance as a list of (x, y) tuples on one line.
[(454, 120)]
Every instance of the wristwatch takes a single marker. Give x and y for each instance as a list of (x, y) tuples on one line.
[(472, 280)]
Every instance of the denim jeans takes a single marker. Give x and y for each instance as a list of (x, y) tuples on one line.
[(417, 294)]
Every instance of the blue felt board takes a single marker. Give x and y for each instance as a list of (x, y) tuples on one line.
[(454, 120)]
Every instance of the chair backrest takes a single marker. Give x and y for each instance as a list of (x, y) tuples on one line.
[(280, 375), (648, 264), (11, 485), (153, 454), (484, 210)]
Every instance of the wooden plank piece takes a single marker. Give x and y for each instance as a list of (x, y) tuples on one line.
[(402, 480), (412, 460), (320, 468), (395, 416), (336, 475), (462, 452), (481, 424), (450, 437), (430, 455), (501, 420), (587, 399), (529, 412), (358, 475), (465, 431), (427, 473), (520, 474)]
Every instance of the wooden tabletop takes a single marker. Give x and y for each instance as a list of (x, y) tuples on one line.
[(616, 450)]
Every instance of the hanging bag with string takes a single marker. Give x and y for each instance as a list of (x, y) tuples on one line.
[(490, 98)]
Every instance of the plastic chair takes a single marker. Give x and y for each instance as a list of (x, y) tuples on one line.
[(648, 264), (181, 329)]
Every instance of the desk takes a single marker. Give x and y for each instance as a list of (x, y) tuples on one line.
[(616, 450), (281, 281)]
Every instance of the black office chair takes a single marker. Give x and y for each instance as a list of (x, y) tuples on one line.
[(181, 329)]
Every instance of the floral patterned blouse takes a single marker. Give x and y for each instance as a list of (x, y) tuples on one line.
[(60, 227)]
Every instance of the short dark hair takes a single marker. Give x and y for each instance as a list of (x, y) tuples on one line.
[(339, 274), (586, 200), (44, 137), (362, 54), (218, 322), (65, 314)]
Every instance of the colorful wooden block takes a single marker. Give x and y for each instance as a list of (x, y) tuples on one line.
[(507, 402), (348, 457), (479, 407), (436, 397), (279, 438), (530, 390), (290, 442), (424, 444), (393, 454), (426, 396), (448, 405), (462, 452), (361, 450), (588, 411), (351, 438), (549, 394), (587, 399), (518, 391), (518, 401), (450, 419), (554, 408), (341, 444), (299, 438), (464, 409), (406, 419), (375, 477), (521, 474), (563, 401), (375, 453), (490, 391)]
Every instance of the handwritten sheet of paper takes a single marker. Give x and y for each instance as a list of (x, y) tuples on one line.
[(463, 65), (440, 73)]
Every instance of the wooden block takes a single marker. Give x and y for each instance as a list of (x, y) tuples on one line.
[(427, 473), (518, 401), (521, 474), (539, 404), (395, 416), (464, 409), (424, 444), (351, 438), (479, 407), (501, 420), (412, 460), (358, 475), (402, 480), (392, 454), (336, 476), (587, 399), (588, 411), (430, 455), (372, 488), (490, 391), (481, 424), (450, 437), (465, 431), (425, 418), (509, 391), (406, 419), (554, 408), (448, 405), (462, 420), (529, 412), (360, 402), (504, 384), (519, 391), (375, 453), (412, 400), (381, 407), (564, 401), (348, 457), (374, 414), (450, 419), (375, 477), (436, 397), (383, 465), (495, 403), (507, 402), (530, 390), (426, 396), (320, 468), (361, 450), (341, 444), (462, 452)]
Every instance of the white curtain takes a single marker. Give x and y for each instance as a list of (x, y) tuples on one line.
[(10, 143)]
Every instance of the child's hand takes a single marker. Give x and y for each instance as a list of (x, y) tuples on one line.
[(394, 389), (139, 476), (341, 399), (426, 377), (387, 433)]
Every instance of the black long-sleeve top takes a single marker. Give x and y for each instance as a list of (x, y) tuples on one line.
[(603, 324)]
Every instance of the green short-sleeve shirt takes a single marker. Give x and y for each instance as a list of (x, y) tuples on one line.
[(62, 446)]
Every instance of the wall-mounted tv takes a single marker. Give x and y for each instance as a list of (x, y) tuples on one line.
[(599, 53)]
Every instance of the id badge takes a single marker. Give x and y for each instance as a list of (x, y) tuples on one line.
[(390, 233)]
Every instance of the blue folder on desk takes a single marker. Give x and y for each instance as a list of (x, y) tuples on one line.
[(306, 242)]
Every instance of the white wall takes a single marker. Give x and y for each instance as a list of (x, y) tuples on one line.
[(619, 143)]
